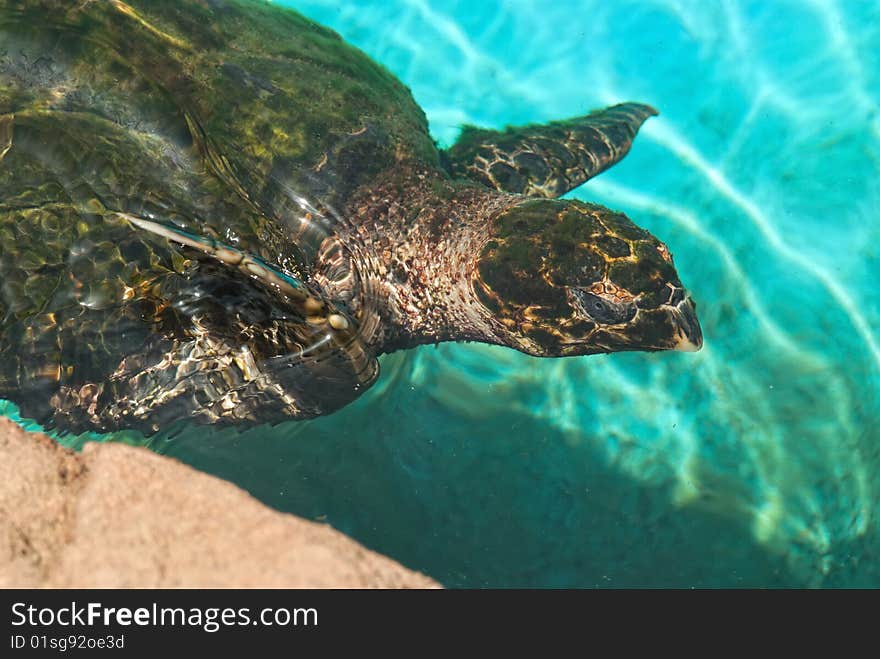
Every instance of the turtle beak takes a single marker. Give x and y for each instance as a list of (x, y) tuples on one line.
[(690, 336)]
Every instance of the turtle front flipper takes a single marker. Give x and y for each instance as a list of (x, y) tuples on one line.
[(122, 327), (112, 315), (548, 160), (134, 331)]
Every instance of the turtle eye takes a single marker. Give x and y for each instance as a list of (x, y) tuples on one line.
[(600, 309)]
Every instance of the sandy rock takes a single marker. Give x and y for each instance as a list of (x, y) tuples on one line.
[(119, 516)]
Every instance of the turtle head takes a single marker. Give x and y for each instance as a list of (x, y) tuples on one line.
[(570, 278)]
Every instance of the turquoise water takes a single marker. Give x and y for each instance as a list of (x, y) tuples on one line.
[(755, 462)]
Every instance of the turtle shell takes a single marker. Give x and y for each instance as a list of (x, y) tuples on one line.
[(168, 173)]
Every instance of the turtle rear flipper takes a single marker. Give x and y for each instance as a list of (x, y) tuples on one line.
[(548, 160)]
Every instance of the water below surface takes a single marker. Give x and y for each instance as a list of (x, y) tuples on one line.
[(754, 462)]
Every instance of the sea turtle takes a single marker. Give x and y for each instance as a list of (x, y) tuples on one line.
[(218, 210)]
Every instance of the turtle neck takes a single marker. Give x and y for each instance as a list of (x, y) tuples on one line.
[(414, 237)]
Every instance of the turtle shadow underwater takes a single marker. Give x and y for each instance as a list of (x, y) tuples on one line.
[(474, 491), (497, 500)]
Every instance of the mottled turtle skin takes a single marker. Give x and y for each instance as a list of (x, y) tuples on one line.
[(217, 210)]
